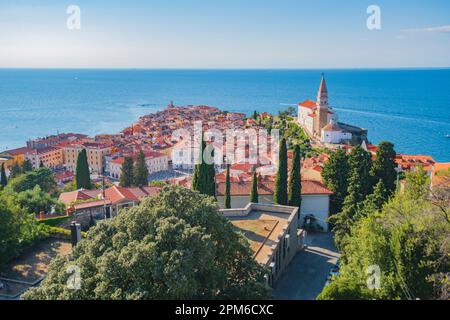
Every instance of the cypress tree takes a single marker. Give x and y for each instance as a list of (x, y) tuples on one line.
[(204, 179), (335, 175), (126, 176), (140, 170), (359, 187), (384, 167), (83, 177), (295, 182), (227, 189), (26, 166), (3, 178), (254, 197), (210, 179), (280, 194)]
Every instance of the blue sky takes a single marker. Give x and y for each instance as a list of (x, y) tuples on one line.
[(225, 34)]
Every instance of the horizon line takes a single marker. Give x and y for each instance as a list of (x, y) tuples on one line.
[(226, 69)]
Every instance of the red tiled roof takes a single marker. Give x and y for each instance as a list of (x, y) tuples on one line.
[(70, 197), (18, 151), (308, 104), (118, 160), (242, 167), (117, 194)]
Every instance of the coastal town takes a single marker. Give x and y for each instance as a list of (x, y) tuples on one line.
[(276, 232)]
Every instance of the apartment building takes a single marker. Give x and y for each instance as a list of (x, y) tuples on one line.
[(50, 157), (95, 155)]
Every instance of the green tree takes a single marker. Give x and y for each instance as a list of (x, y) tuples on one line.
[(335, 176), (83, 177), (359, 188), (43, 177), (280, 194), (126, 177), (254, 197), (3, 178), (295, 181), (227, 189), (35, 201), (203, 180), (18, 229), (407, 239), (16, 170), (26, 166), (384, 167), (140, 170), (150, 251)]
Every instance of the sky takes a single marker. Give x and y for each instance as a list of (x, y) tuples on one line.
[(224, 34)]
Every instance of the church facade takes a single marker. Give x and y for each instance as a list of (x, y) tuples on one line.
[(318, 119)]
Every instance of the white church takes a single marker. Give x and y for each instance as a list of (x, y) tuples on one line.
[(319, 121)]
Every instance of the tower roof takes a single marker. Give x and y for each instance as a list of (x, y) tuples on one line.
[(323, 87)]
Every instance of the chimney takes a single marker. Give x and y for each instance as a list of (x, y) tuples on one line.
[(75, 233)]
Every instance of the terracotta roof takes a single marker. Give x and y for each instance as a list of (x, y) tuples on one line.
[(70, 197), (308, 104), (118, 194), (242, 167), (18, 151), (118, 160)]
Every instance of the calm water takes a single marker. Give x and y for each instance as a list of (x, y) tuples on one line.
[(408, 107)]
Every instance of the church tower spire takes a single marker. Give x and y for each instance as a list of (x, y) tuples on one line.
[(322, 94), (322, 109)]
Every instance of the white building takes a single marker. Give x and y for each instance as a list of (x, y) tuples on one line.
[(156, 162), (314, 115), (319, 120), (333, 133), (315, 199)]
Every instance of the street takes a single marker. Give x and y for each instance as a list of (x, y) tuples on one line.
[(306, 275)]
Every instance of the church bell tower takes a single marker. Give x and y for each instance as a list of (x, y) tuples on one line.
[(322, 108)]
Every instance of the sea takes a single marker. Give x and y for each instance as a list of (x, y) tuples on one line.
[(409, 107)]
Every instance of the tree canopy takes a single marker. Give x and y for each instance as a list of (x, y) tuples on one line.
[(281, 192), (383, 167), (140, 170), (254, 197), (407, 239), (295, 181), (204, 178), (227, 189), (172, 246), (42, 177), (335, 175), (126, 176), (83, 176), (3, 178), (18, 228)]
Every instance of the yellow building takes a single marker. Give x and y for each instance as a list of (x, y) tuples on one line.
[(95, 156), (50, 157), (14, 156)]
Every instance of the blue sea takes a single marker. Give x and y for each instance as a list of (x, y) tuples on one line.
[(410, 107)]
